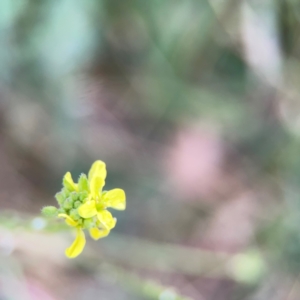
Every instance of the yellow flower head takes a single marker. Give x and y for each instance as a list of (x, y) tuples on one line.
[(84, 205)]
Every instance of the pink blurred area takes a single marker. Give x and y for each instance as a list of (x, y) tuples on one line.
[(36, 292), (194, 162)]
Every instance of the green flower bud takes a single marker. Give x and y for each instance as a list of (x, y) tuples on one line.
[(66, 193), (88, 223), (74, 196), (77, 204), (74, 214), (83, 196), (49, 211), (68, 204), (61, 211), (83, 184), (60, 197)]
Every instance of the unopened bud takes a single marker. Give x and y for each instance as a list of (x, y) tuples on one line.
[(74, 196), (49, 211), (83, 196), (83, 184), (77, 204), (88, 223), (60, 197), (61, 211), (68, 204), (74, 214)]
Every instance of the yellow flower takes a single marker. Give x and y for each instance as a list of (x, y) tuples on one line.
[(84, 205)]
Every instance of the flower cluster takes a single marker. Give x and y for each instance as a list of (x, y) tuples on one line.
[(84, 205)]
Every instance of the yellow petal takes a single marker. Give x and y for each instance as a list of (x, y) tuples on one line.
[(98, 169), (97, 233), (87, 209), (76, 248), (69, 183), (68, 219), (106, 219), (96, 185), (115, 198)]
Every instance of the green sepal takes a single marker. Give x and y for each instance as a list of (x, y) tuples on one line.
[(77, 204), (83, 196), (61, 211), (60, 198), (74, 214), (74, 196), (88, 223), (83, 183), (49, 211), (68, 204), (65, 192)]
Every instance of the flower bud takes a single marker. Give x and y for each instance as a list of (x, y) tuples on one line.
[(74, 214), (68, 204), (49, 211), (74, 196), (66, 193), (83, 184), (60, 197), (88, 223), (83, 196), (77, 204), (61, 211)]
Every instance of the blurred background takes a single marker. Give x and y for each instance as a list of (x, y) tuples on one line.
[(194, 106)]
